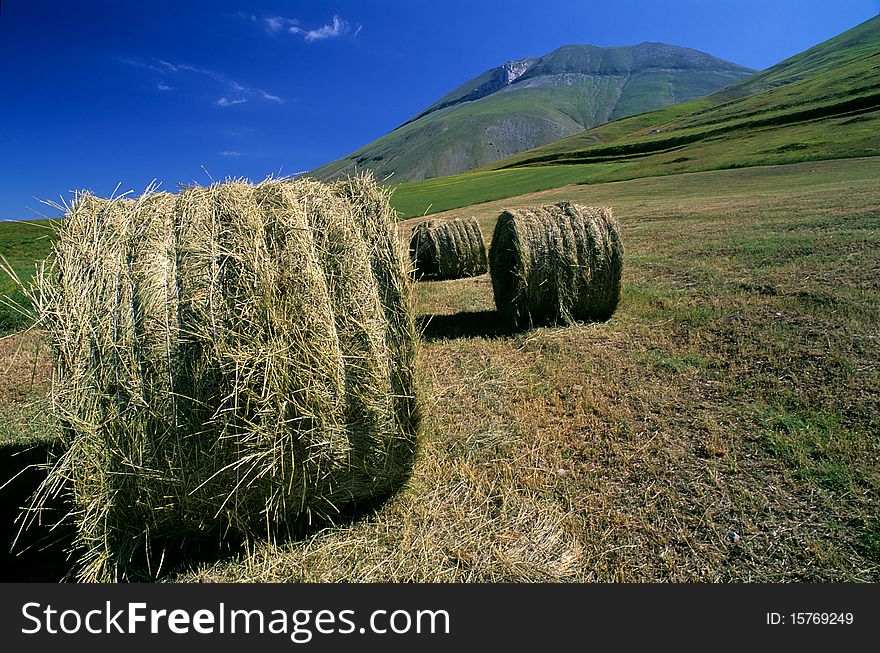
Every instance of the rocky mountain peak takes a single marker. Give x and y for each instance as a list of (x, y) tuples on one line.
[(516, 69)]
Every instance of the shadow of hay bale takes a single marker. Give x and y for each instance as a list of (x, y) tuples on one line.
[(176, 556), (475, 324), (40, 554)]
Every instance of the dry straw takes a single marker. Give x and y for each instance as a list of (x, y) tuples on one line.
[(448, 250), (556, 264), (228, 359)]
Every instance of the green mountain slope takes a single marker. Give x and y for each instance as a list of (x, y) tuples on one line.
[(823, 103), (530, 102)]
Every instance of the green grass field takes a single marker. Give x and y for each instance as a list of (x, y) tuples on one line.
[(446, 193), (734, 391), (22, 244)]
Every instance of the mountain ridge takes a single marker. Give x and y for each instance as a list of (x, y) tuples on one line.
[(535, 100), (820, 104), (838, 77), (500, 77)]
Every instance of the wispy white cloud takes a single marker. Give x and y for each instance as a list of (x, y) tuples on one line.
[(226, 102), (229, 153), (236, 92), (275, 24), (141, 64), (269, 96), (338, 26), (186, 68), (239, 132)]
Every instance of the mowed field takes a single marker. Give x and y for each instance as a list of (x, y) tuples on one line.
[(456, 191), (724, 425)]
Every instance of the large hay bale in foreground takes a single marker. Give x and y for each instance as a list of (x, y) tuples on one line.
[(556, 264), (229, 359), (448, 249)]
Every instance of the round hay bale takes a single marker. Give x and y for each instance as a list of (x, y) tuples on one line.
[(448, 250), (230, 359), (556, 264)]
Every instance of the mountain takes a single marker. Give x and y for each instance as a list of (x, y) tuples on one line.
[(529, 102), (821, 104)]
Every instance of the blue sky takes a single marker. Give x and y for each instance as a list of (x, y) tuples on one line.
[(96, 93)]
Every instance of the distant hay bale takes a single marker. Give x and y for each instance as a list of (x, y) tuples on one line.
[(448, 249), (229, 359), (556, 264)]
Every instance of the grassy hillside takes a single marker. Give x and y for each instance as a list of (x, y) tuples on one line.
[(823, 103), (734, 391), (534, 101)]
